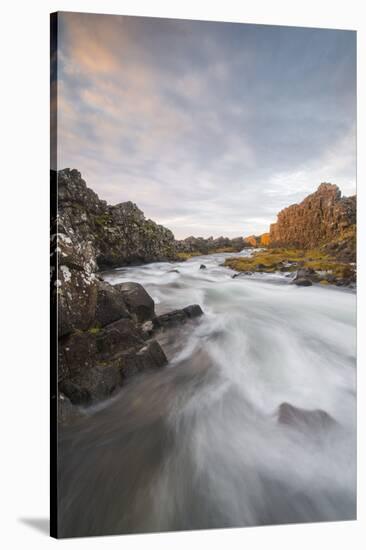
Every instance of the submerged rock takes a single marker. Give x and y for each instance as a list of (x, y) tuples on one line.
[(302, 282), (304, 419), (177, 316)]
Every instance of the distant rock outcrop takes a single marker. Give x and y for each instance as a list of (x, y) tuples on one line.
[(324, 218), (257, 241), (201, 245)]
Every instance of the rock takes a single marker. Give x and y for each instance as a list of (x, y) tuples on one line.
[(138, 301), (116, 235), (149, 357), (210, 245), (110, 305), (305, 276), (122, 334), (202, 266), (66, 411), (324, 217), (177, 317), (75, 393), (173, 271), (303, 419), (302, 282)]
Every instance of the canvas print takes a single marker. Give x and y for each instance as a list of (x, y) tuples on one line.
[(203, 262)]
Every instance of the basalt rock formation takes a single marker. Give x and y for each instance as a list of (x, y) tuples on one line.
[(105, 332), (117, 235), (324, 218)]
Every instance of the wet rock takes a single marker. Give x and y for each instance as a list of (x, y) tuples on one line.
[(66, 411), (302, 282), (304, 419), (173, 271), (137, 300), (122, 334), (178, 316), (193, 311), (149, 357), (110, 305), (202, 266), (76, 394)]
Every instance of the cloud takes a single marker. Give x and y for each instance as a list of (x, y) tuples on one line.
[(210, 128)]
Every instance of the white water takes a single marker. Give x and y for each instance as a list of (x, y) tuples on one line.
[(203, 446)]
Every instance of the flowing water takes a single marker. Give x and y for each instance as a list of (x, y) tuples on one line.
[(198, 444)]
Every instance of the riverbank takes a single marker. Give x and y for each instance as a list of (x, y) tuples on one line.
[(312, 266)]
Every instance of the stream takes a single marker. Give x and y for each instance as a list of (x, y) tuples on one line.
[(198, 444)]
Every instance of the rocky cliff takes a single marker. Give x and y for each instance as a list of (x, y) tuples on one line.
[(116, 235), (105, 333), (324, 218)]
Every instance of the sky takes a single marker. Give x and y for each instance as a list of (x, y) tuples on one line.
[(210, 128)]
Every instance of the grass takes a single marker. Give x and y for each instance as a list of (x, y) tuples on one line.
[(281, 259)]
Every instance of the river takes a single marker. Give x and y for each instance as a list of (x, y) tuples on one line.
[(198, 444)]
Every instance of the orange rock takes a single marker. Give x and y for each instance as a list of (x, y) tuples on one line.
[(252, 240), (264, 239)]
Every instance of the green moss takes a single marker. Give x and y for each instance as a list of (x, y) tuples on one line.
[(94, 330), (280, 259), (103, 219), (186, 255)]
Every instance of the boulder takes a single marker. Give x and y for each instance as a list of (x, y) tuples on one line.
[(302, 282), (137, 300), (202, 266), (177, 317), (110, 305)]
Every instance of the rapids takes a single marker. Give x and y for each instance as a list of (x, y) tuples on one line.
[(198, 444)]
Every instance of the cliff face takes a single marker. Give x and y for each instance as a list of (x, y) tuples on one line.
[(116, 235), (324, 218), (105, 332)]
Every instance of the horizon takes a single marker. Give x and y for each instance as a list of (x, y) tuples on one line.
[(210, 128)]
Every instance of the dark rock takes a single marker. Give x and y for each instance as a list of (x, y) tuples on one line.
[(122, 334), (193, 311), (149, 357), (177, 317), (302, 282), (202, 266), (304, 419), (66, 411), (76, 394), (138, 301), (173, 271), (110, 305)]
